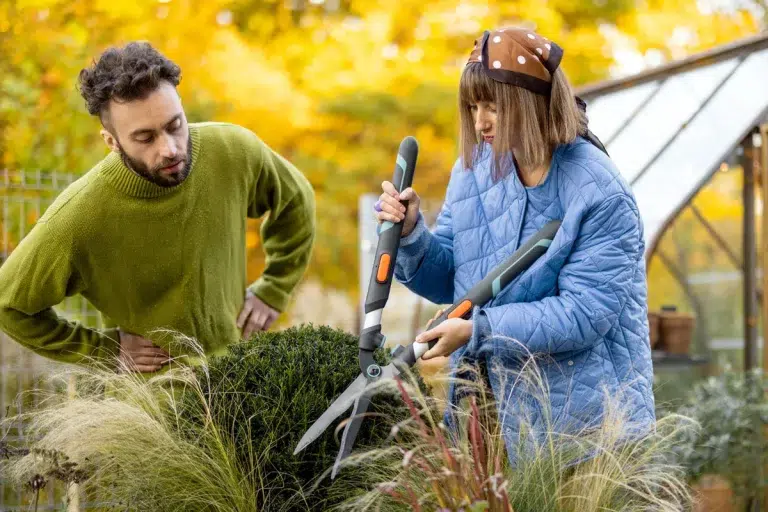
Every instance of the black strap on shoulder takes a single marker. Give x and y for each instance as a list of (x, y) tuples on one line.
[(591, 137)]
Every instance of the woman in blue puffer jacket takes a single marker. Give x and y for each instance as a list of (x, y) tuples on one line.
[(581, 309)]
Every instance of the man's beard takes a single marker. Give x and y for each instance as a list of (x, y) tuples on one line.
[(154, 175)]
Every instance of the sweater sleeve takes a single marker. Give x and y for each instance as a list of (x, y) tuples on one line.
[(288, 232), (37, 276), (595, 284), (425, 259)]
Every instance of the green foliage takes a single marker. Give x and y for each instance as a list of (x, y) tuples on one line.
[(266, 393), (119, 438), (731, 411), (217, 437)]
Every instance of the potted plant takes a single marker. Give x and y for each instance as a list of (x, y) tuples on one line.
[(653, 328), (722, 454), (675, 330)]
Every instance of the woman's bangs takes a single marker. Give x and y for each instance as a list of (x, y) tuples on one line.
[(475, 86)]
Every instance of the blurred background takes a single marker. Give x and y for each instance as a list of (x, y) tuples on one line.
[(335, 85)]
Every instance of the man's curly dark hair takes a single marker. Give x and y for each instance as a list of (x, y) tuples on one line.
[(125, 74)]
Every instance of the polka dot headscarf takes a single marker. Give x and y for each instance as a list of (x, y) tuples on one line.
[(518, 57)]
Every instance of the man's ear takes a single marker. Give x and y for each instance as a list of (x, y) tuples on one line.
[(106, 133), (110, 140)]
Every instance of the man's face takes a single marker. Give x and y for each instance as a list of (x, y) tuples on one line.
[(152, 136)]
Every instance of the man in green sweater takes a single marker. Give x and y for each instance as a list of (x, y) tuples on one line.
[(154, 235)]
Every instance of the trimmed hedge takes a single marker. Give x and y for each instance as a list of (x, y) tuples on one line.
[(264, 394)]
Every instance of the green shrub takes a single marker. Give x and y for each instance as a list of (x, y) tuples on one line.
[(266, 393)]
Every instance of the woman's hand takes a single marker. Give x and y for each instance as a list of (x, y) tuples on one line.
[(389, 208), (451, 335)]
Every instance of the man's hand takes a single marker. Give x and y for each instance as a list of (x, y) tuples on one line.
[(140, 354), (255, 316)]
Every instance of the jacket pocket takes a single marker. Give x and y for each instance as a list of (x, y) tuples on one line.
[(560, 378)]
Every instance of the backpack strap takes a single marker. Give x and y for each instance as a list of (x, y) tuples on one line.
[(591, 137)]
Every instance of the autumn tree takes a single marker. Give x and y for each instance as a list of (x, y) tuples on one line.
[(333, 85)]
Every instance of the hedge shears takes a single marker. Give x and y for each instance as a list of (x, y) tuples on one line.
[(405, 356)]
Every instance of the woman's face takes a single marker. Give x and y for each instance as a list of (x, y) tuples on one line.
[(484, 116)]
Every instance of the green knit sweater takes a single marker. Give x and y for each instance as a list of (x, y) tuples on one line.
[(151, 258)]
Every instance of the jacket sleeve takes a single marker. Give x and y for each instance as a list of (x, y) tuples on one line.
[(425, 259), (595, 284)]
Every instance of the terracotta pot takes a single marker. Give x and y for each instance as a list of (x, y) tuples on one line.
[(713, 493), (653, 328), (676, 331)]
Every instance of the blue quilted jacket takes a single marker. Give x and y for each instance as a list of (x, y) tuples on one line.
[(580, 310)]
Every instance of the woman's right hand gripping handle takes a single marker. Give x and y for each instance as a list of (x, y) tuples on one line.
[(394, 211)]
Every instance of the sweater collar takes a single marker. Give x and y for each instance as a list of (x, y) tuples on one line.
[(125, 180)]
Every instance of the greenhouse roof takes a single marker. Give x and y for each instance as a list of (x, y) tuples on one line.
[(669, 129)]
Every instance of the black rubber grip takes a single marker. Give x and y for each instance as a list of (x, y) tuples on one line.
[(389, 233), (501, 275)]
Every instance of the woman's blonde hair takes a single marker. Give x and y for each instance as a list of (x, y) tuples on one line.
[(536, 124)]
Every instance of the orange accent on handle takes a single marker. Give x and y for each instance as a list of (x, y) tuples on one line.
[(381, 274), (461, 309)]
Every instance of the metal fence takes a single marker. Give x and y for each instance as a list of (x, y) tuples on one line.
[(24, 196)]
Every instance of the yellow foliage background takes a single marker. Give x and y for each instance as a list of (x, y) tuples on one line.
[(332, 85)]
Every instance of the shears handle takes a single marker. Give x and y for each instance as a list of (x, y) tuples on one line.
[(489, 287), (389, 233), (384, 262)]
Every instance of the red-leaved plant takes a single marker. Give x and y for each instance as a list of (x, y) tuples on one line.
[(457, 481)]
